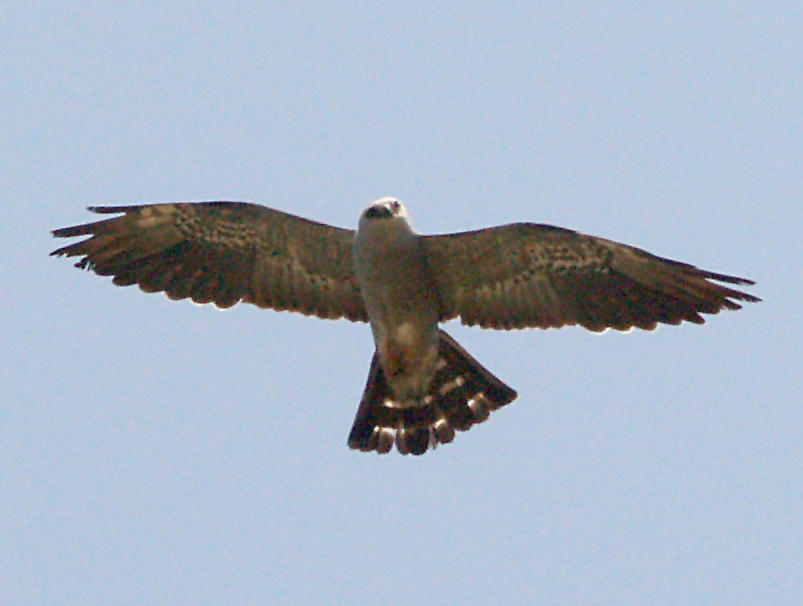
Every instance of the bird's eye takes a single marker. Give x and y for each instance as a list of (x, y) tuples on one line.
[(395, 206)]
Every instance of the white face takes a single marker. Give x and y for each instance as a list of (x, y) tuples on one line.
[(384, 208)]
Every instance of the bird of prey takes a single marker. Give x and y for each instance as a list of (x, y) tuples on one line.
[(422, 386)]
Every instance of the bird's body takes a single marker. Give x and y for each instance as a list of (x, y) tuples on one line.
[(388, 258), (422, 386)]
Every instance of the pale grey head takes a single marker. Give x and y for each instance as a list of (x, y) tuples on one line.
[(384, 208)]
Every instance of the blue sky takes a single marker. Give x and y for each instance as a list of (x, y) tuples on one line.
[(160, 452)]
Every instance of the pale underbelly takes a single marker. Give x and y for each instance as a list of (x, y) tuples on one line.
[(408, 356)]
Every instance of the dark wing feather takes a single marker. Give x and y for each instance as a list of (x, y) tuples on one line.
[(527, 275), (222, 253)]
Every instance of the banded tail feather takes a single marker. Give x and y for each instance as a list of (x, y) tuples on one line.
[(463, 393)]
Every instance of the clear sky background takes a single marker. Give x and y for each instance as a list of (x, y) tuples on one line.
[(154, 452)]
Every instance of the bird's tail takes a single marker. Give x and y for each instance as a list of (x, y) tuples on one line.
[(462, 393)]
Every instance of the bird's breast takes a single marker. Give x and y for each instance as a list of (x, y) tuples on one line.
[(402, 306)]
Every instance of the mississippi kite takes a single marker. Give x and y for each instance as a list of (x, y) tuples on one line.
[(422, 386)]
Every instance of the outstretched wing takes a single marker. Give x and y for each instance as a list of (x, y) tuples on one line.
[(223, 252), (527, 275)]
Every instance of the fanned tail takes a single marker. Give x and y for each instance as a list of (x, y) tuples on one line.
[(463, 393)]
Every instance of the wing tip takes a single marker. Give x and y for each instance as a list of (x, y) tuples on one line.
[(69, 232), (729, 279), (114, 210), (86, 229)]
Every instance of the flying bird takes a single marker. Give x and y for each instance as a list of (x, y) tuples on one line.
[(422, 386)]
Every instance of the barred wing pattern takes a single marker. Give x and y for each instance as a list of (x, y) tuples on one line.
[(531, 275), (222, 253)]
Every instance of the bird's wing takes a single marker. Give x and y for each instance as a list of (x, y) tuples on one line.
[(527, 275), (222, 253)]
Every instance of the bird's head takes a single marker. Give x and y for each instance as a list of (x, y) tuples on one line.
[(384, 208)]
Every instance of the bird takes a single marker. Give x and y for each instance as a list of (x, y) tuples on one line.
[(422, 386)]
